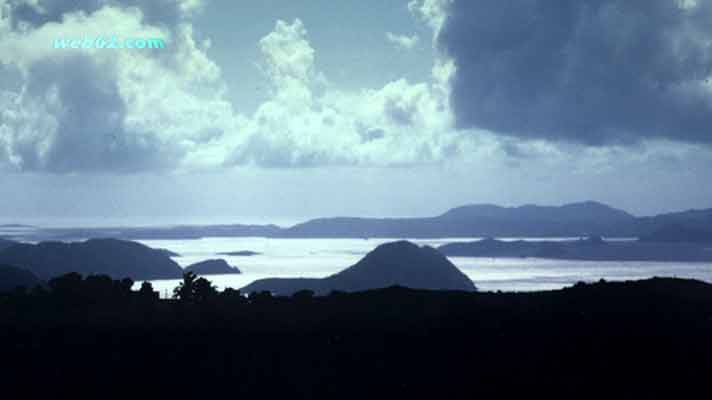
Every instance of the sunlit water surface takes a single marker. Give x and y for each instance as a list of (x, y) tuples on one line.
[(316, 258)]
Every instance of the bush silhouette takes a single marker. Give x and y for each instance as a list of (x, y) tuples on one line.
[(186, 289), (194, 289), (204, 290)]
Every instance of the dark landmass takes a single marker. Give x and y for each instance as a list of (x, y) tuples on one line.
[(243, 253), (398, 263), (696, 219), (4, 243), (480, 220), (680, 234), (483, 220), (639, 340), (167, 253), (115, 258), (212, 267), (16, 226), (12, 278), (594, 249)]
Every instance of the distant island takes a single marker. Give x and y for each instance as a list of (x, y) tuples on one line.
[(241, 253), (477, 220), (399, 263), (212, 267), (115, 258), (591, 249)]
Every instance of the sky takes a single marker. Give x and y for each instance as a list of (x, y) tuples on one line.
[(286, 110)]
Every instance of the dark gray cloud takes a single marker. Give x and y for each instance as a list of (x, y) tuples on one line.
[(594, 72)]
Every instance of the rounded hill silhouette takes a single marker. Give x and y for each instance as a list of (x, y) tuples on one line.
[(212, 267), (399, 263)]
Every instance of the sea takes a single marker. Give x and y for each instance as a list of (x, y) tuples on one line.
[(316, 258)]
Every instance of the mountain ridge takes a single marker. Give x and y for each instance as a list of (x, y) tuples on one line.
[(475, 220)]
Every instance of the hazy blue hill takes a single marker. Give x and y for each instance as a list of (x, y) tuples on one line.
[(691, 219), (477, 220), (679, 234), (399, 263), (12, 277), (212, 267), (585, 211), (578, 219), (116, 258)]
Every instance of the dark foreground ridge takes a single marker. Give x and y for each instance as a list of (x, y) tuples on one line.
[(13, 277), (646, 339), (398, 263)]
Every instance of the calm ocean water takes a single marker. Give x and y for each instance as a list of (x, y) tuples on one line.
[(315, 258)]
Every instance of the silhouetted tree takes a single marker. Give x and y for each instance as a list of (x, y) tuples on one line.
[(146, 288), (146, 293), (38, 291), (260, 297), (186, 289), (230, 293), (194, 289), (125, 285), (303, 294), (203, 290), (99, 287), (19, 291), (68, 286), (232, 297)]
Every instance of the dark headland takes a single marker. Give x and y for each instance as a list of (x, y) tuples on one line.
[(241, 253), (590, 249), (398, 263), (212, 267), (115, 258)]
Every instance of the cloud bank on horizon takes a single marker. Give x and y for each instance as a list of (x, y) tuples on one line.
[(512, 81)]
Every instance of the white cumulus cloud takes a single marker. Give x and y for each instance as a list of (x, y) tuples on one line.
[(403, 41)]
